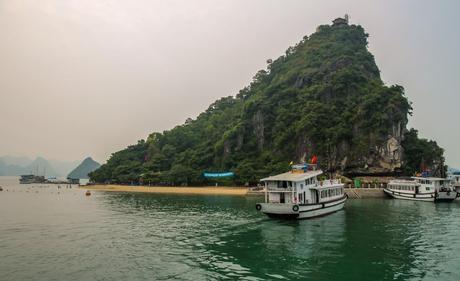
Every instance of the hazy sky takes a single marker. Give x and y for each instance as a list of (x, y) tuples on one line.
[(86, 77)]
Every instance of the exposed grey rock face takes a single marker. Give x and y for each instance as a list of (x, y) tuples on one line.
[(258, 124)]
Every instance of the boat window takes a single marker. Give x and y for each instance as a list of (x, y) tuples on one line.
[(301, 185), (427, 188)]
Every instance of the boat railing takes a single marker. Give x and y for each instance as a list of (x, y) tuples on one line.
[(403, 182), (331, 182), (279, 189)]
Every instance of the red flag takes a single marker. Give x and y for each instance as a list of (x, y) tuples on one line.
[(314, 159)]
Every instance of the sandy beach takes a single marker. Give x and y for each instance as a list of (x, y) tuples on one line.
[(210, 190)]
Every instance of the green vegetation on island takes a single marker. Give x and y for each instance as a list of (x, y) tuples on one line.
[(323, 97)]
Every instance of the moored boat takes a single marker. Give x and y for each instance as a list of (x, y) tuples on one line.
[(298, 194), (28, 179), (408, 190), (455, 182), (429, 189)]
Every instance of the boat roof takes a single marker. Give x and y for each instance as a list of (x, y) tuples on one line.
[(429, 178), (290, 176)]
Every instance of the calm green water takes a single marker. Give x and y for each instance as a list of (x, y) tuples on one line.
[(46, 235)]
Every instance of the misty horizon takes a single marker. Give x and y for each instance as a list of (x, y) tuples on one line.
[(86, 79)]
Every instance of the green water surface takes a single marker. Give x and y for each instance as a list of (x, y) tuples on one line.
[(59, 234)]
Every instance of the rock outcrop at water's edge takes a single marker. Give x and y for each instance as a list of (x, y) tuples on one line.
[(323, 97)]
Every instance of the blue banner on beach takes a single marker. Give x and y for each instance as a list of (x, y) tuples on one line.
[(218, 175)]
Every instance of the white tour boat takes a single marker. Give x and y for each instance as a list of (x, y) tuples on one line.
[(422, 189), (409, 190), (455, 182), (298, 194)]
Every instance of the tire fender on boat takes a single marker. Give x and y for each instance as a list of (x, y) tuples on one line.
[(295, 208), (258, 207)]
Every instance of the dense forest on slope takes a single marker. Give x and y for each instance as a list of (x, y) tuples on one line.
[(323, 97)]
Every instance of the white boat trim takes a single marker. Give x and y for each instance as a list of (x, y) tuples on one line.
[(427, 197)]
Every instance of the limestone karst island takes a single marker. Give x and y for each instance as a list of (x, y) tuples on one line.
[(323, 97), (229, 140)]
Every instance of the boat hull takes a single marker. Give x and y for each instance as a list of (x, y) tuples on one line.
[(427, 197), (445, 196), (457, 187), (299, 211)]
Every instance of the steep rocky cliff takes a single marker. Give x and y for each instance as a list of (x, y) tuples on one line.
[(323, 97)]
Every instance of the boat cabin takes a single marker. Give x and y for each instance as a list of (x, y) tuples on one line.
[(431, 184), (406, 186), (455, 178), (301, 186), (455, 182)]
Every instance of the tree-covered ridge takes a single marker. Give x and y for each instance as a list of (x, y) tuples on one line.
[(323, 97), (422, 154)]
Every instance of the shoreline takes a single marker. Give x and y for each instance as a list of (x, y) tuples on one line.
[(353, 193), (205, 190)]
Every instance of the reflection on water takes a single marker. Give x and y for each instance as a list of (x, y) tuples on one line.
[(51, 234)]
